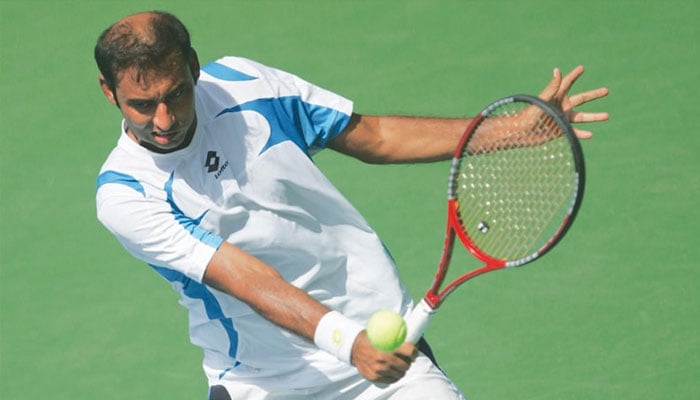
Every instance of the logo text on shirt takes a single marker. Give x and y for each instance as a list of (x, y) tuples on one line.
[(212, 164)]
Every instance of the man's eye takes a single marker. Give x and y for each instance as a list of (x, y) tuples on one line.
[(142, 106), (176, 95)]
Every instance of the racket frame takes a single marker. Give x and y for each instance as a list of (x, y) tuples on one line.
[(418, 319)]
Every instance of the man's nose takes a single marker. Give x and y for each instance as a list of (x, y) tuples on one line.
[(163, 118)]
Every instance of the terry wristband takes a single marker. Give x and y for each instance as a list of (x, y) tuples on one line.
[(336, 334)]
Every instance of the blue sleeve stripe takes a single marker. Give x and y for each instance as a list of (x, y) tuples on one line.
[(226, 73), (120, 178), (190, 224), (318, 124), (291, 119), (195, 290)]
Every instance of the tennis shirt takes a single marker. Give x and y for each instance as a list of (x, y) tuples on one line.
[(248, 178)]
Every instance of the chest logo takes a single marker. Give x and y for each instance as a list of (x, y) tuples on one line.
[(212, 162)]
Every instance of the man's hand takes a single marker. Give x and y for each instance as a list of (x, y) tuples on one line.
[(378, 366), (557, 92)]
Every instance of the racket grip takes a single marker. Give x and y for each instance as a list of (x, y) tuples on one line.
[(418, 320)]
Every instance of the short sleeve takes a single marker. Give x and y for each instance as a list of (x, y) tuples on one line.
[(152, 231)]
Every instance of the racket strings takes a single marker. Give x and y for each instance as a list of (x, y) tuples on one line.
[(516, 183), (523, 216), (554, 193)]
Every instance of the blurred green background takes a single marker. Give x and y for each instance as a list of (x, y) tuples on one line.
[(611, 313)]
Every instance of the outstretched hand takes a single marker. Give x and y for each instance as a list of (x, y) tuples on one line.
[(557, 92)]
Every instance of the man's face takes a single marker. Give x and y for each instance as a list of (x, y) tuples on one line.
[(158, 107)]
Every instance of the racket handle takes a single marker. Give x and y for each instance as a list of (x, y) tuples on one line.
[(417, 321)]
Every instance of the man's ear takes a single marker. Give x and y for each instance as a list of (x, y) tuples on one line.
[(194, 65), (111, 96)]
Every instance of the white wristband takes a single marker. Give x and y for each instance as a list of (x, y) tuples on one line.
[(336, 334)]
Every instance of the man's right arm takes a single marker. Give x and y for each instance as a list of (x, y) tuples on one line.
[(233, 271)]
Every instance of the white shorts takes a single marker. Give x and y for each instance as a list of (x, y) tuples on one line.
[(422, 381)]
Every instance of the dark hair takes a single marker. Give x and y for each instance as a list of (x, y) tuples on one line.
[(153, 48)]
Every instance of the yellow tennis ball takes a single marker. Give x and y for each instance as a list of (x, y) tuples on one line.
[(386, 330)]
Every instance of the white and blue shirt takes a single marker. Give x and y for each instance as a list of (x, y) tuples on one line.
[(248, 178)]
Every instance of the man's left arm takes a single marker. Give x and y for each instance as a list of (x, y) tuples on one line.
[(398, 139), (395, 139)]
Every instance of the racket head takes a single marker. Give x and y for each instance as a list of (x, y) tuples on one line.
[(515, 186), (516, 182)]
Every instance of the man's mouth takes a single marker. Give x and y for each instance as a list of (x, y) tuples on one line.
[(164, 137)]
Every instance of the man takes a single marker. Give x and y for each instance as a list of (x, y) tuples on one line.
[(212, 184)]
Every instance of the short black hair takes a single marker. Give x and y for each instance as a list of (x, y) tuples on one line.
[(123, 46)]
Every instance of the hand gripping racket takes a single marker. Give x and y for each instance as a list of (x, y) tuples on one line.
[(515, 185)]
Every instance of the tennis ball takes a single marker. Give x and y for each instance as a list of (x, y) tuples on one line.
[(386, 330)]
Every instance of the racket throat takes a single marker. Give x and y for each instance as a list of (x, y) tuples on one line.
[(432, 299)]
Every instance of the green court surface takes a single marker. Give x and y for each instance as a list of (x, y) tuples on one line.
[(612, 313)]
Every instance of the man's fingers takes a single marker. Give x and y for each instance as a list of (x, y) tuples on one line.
[(388, 373), (569, 81), (407, 352), (398, 363), (589, 116), (581, 134), (583, 98), (551, 89)]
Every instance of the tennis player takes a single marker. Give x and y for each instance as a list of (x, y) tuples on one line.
[(212, 184)]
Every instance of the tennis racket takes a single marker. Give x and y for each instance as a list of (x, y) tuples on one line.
[(515, 185)]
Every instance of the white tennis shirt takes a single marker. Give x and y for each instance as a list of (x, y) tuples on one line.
[(248, 178)]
